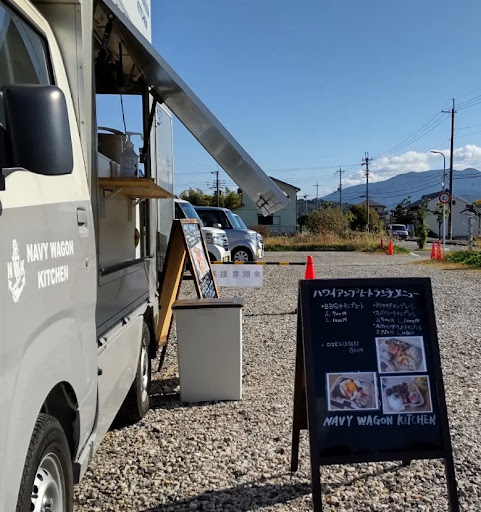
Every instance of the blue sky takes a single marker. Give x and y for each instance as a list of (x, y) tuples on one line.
[(307, 86)]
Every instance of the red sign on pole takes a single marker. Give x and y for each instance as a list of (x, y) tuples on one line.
[(444, 197)]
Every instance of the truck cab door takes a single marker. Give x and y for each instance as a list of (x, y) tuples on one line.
[(47, 257)]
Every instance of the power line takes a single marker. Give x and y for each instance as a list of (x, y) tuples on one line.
[(468, 134), (467, 103), (411, 140), (418, 132)]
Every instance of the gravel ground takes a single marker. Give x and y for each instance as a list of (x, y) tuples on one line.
[(235, 455)]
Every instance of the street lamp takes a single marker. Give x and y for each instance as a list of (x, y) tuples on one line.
[(444, 190)]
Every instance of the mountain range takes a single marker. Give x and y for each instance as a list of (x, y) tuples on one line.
[(466, 184)]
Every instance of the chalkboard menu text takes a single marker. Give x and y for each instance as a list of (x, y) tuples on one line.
[(368, 375)]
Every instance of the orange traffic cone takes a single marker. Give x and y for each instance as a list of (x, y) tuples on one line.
[(382, 244), (439, 252), (390, 250), (310, 272), (433, 252)]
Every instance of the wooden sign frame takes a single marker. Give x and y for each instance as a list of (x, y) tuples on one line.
[(178, 250), (198, 254), (306, 400)]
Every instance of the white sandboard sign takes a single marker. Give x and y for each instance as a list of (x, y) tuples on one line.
[(239, 275)]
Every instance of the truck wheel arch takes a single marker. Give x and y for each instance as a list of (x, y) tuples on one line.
[(150, 321), (61, 403)]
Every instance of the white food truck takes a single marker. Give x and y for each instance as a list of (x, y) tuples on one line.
[(84, 236)]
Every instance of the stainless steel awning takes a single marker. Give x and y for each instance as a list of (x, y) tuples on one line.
[(167, 87)]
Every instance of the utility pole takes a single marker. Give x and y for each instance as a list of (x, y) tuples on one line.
[(444, 190), (340, 187), (305, 202), (317, 195), (365, 162), (216, 183), (450, 217)]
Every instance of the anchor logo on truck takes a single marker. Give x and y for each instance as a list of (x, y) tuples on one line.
[(16, 273)]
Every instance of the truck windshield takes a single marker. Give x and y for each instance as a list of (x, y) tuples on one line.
[(399, 227), (190, 213)]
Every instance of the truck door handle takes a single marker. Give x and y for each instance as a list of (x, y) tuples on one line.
[(82, 217)]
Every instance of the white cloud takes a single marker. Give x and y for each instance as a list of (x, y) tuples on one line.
[(386, 167)]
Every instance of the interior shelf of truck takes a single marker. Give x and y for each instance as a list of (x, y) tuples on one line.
[(135, 188)]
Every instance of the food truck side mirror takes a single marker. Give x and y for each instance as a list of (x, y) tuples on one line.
[(37, 129)]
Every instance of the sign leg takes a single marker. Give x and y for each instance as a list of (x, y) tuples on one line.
[(316, 488), (162, 357), (295, 448), (453, 498), (299, 417)]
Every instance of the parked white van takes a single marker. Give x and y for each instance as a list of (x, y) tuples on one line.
[(216, 239)]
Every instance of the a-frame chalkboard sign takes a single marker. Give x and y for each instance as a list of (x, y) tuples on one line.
[(186, 241), (368, 383)]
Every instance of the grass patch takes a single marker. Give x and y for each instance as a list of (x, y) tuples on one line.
[(351, 241), (468, 258)]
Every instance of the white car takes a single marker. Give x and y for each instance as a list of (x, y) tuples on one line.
[(398, 231), (217, 241)]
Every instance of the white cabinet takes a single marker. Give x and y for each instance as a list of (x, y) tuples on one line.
[(209, 338)]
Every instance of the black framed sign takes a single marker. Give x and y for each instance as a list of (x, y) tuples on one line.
[(185, 240), (199, 259), (368, 383)]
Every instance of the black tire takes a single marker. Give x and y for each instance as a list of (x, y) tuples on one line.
[(137, 401), (48, 469), (241, 250), (212, 257)]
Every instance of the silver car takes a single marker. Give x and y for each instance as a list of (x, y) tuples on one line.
[(243, 243), (260, 239), (398, 231)]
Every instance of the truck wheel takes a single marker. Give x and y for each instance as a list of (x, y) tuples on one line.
[(47, 482), (136, 403), (241, 255)]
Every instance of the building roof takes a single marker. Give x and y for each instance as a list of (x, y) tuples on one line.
[(431, 196), (473, 208), (284, 183)]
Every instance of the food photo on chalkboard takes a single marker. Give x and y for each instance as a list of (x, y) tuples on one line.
[(351, 391), (406, 394), (401, 354)]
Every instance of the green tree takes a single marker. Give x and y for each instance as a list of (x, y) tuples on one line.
[(438, 211), (302, 220), (401, 213), (227, 198), (420, 226), (231, 199), (328, 220), (196, 197), (359, 219)]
